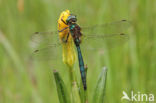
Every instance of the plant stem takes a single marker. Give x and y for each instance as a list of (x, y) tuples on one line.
[(74, 87)]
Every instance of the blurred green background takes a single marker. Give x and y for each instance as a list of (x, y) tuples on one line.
[(130, 67)]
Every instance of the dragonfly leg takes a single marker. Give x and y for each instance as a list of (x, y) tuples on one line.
[(63, 29), (65, 40)]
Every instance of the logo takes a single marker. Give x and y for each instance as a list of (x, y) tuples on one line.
[(140, 97)]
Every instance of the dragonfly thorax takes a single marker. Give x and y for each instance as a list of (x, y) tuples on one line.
[(75, 31), (71, 27)]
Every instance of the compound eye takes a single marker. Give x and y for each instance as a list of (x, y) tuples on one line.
[(71, 19)]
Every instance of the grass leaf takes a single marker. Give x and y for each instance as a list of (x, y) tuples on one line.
[(61, 89), (98, 96)]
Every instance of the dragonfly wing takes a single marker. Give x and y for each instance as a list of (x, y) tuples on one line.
[(51, 52), (45, 45), (100, 41), (50, 55), (107, 28), (109, 34), (44, 38)]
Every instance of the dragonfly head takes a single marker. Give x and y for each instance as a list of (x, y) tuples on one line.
[(71, 19)]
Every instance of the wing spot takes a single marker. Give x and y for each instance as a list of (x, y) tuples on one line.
[(122, 34), (36, 33), (124, 20), (36, 51)]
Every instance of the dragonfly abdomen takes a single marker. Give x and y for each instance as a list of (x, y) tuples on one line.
[(82, 69)]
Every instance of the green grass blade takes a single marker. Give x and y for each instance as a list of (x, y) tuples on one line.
[(11, 52), (61, 89), (98, 96)]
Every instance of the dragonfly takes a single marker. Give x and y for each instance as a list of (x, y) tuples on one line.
[(88, 37)]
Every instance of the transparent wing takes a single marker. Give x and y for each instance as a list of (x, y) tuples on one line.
[(45, 45), (107, 28), (44, 38), (101, 41), (51, 55), (109, 34), (50, 52)]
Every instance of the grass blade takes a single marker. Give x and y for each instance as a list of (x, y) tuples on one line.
[(11, 52), (98, 96), (61, 89)]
